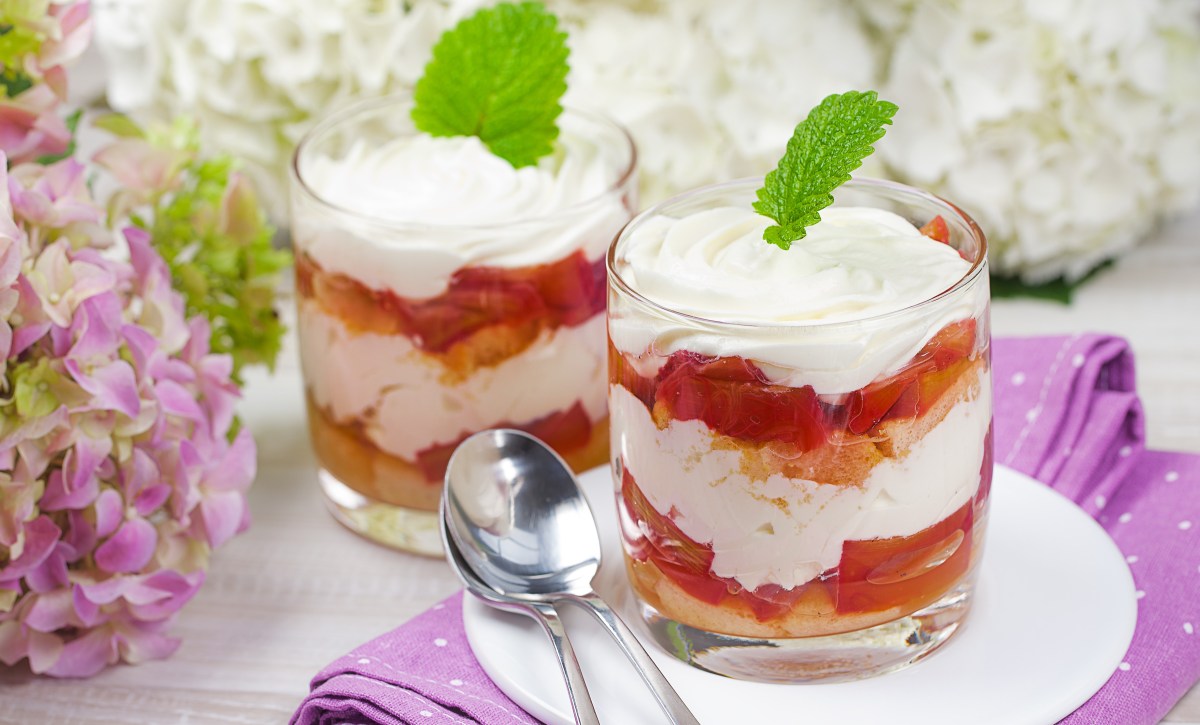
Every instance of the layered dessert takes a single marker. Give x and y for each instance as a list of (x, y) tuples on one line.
[(801, 438), (442, 291)]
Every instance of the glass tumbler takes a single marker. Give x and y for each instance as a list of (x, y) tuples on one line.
[(414, 335), (782, 524)]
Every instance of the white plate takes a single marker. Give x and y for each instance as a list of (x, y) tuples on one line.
[(1052, 618)]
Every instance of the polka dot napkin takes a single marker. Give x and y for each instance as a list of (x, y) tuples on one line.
[(1065, 413)]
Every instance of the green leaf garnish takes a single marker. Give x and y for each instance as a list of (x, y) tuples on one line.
[(825, 148), (498, 75)]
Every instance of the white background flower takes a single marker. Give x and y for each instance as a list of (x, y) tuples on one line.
[(1067, 127)]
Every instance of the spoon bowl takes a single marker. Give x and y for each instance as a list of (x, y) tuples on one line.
[(543, 612), (517, 517)]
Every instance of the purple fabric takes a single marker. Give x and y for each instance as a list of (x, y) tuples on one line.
[(1065, 413), (422, 672)]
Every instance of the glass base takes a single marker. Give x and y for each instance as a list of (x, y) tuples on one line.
[(397, 527), (835, 658)]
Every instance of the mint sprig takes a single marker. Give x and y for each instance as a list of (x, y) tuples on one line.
[(825, 148), (498, 75)]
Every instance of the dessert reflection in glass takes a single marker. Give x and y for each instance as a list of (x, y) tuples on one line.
[(441, 292), (802, 438)]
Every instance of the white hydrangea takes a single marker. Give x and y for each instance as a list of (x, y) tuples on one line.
[(1067, 127), (255, 74), (711, 89)]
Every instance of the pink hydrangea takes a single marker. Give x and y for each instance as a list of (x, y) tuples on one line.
[(56, 34), (119, 472)]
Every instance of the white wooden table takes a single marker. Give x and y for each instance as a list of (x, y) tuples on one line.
[(297, 590)]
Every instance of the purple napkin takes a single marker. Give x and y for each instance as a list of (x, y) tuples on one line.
[(1066, 414)]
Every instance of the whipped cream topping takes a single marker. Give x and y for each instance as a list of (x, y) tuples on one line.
[(424, 207), (858, 263), (455, 180), (786, 531)]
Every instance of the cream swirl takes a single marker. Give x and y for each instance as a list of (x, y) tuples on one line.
[(456, 181), (857, 265), (406, 215)]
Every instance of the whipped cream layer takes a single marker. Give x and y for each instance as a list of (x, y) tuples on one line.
[(786, 531), (399, 395), (858, 263), (427, 207)]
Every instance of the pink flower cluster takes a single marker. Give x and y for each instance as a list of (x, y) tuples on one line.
[(119, 474), (30, 126)]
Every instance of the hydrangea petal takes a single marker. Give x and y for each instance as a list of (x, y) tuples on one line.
[(176, 400), (139, 166), (114, 385), (51, 611), (45, 650), (223, 514), (13, 642), (86, 655), (163, 595), (76, 485), (29, 127), (73, 37), (80, 536), (146, 643), (237, 468), (39, 537), (88, 611), (129, 549), (110, 509), (96, 327), (151, 499), (51, 573), (105, 591)]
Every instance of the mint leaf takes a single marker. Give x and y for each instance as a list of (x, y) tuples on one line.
[(825, 148), (498, 75)]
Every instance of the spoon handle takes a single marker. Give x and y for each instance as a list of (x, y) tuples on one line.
[(581, 700), (668, 699)]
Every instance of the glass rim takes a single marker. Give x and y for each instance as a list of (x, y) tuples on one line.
[(977, 267), (362, 106)]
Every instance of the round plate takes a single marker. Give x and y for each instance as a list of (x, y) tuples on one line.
[(1053, 615)]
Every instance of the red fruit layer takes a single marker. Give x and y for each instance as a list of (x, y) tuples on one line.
[(564, 431), (689, 564), (900, 571), (734, 398), (905, 572), (565, 293)]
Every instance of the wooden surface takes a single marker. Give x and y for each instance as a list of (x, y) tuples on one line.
[(297, 590)]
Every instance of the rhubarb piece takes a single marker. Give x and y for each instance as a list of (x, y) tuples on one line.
[(905, 571), (937, 230)]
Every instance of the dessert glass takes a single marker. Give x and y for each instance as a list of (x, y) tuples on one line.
[(780, 523), (412, 336)]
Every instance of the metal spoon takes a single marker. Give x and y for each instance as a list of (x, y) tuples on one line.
[(522, 523), (544, 613)]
